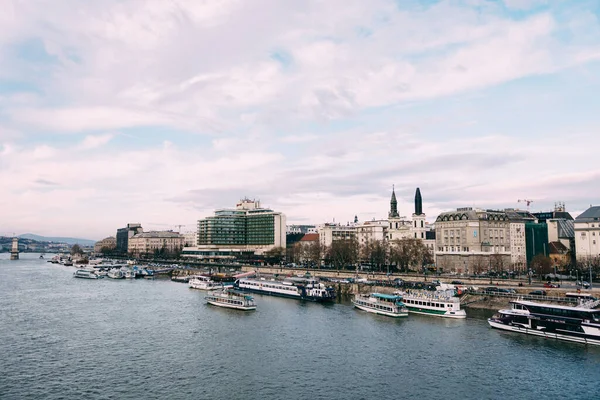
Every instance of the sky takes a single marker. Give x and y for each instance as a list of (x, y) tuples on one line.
[(160, 111)]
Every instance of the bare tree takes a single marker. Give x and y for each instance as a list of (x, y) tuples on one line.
[(409, 252), (541, 264), (343, 253)]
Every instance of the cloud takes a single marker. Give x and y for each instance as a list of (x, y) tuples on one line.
[(317, 113)]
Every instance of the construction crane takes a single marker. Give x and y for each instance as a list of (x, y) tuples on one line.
[(526, 201)]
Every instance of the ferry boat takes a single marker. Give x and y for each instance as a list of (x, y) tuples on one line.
[(574, 324), (231, 299), (383, 304), (294, 288), (86, 274), (441, 303), (202, 282)]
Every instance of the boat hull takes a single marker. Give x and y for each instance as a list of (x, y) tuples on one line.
[(233, 306), (460, 314), (86, 277), (381, 312), (550, 335)]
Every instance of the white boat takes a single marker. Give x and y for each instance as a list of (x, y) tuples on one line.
[(128, 273), (231, 299), (295, 288), (85, 274), (202, 282), (441, 303), (115, 274), (573, 324), (382, 304)]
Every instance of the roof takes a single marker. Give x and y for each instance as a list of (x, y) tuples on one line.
[(386, 296), (590, 215), (566, 228), (557, 248), (310, 237), (158, 234)]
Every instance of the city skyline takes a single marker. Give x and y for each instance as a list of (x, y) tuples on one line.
[(162, 112)]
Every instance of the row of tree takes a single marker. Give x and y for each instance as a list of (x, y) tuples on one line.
[(397, 255)]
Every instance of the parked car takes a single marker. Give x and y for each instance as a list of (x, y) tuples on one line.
[(491, 289), (457, 282), (538, 293), (551, 285)]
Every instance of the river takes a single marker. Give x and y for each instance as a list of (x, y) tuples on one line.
[(66, 338)]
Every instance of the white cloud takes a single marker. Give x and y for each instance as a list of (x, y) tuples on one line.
[(95, 141)]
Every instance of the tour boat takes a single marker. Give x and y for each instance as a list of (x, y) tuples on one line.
[(441, 303), (383, 304), (231, 299), (573, 324), (295, 288), (86, 274), (204, 283)]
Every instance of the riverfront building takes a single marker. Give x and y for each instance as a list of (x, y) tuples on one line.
[(242, 232), (109, 243), (154, 243), (587, 235), (123, 235)]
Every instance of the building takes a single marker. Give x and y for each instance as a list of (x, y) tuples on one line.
[(330, 232), (109, 243), (473, 240), (155, 243), (242, 232), (190, 239), (518, 237), (587, 235), (123, 235), (304, 229)]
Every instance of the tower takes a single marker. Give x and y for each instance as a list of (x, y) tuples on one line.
[(393, 205), (418, 202), (14, 252), (418, 218)]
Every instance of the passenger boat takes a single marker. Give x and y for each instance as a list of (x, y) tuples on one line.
[(86, 274), (441, 303), (383, 304), (231, 299), (574, 324), (202, 282), (295, 288)]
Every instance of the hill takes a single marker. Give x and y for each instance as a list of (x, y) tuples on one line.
[(68, 240)]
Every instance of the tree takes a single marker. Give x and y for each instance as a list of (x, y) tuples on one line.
[(343, 253), (497, 262), (409, 252), (275, 255), (541, 264), (76, 249), (313, 253)]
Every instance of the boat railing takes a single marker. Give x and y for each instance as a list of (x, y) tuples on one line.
[(521, 296)]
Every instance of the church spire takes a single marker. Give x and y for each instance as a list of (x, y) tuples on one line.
[(418, 203), (393, 205)]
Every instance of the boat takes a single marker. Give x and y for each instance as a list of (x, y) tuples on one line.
[(382, 304), (85, 274), (128, 273), (441, 303), (115, 274), (574, 324), (295, 288), (68, 263), (42, 256), (230, 298), (202, 282)]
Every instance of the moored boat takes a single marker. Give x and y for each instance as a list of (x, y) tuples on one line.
[(441, 303), (202, 282), (574, 324), (115, 274), (295, 288), (382, 304), (230, 298), (85, 274)]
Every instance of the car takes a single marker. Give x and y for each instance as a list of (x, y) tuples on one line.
[(491, 289), (551, 285), (585, 284), (538, 293), (457, 282)]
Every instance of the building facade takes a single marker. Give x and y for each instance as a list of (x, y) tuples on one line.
[(154, 243), (123, 235), (247, 229), (109, 243), (587, 235)]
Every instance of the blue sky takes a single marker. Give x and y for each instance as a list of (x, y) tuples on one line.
[(161, 111)]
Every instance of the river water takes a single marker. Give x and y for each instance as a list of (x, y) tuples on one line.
[(66, 338)]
